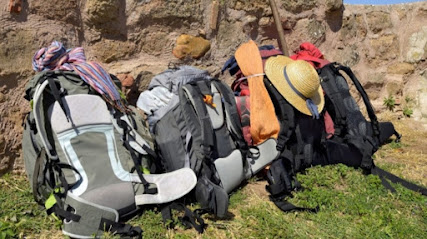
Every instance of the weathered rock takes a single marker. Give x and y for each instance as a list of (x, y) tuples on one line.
[(297, 6), (64, 11), (417, 46), (333, 5), (378, 21), (348, 56), (400, 68), (109, 50), (143, 79), (187, 45), (309, 30), (394, 86), (100, 12), (155, 43), (126, 80), (107, 17), (316, 31), (173, 9), (385, 47), (251, 6), (373, 83), (353, 27), (214, 15), (422, 98), (17, 43)]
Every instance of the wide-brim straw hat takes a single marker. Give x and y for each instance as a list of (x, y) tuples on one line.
[(302, 82)]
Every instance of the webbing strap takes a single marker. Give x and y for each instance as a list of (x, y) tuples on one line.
[(190, 219), (286, 206), (395, 179), (60, 212), (120, 228), (34, 180), (56, 93), (136, 161)]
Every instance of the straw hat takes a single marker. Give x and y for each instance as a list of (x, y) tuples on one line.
[(301, 88)]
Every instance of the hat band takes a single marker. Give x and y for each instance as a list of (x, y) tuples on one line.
[(310, 104)]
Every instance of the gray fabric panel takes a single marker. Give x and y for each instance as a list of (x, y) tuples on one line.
[(142, 126), (96, 163), (267, 153), (117, 196), (168, 138), (29, 148), (89, 222), (122, 153), (172, 79), (170, 186), (194, 128), (158, 114), (82, 109), (230, 170), (342, 83), (70, 175), (223, 142), (154, 99), (216, 113)]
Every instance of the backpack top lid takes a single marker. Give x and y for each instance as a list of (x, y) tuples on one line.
[(298, 82)]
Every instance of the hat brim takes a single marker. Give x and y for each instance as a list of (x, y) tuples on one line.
[(274, 68)]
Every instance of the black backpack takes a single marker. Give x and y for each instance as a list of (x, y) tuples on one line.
[(303, 142)]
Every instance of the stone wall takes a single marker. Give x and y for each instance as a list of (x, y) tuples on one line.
[(385, 45)]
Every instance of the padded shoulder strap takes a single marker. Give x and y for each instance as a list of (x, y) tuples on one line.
[(284, 113), (232, 114), (329, 85), (359, 87), (191, 96)]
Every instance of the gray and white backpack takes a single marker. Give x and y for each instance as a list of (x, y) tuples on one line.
[(88, 163), (196, 125)]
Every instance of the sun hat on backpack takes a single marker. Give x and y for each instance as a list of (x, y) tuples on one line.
[(298, 82)]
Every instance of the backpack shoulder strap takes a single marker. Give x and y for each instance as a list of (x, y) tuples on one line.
[(329, 85), (232, 115), (191, 96), (359, 87), (284, 113)]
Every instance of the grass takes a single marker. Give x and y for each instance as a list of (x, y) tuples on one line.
[(352, 205)]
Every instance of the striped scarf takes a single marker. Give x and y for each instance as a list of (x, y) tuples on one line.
[(56, 57)]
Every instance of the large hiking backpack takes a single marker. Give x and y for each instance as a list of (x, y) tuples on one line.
[(199, 128), (306, 143), (340, 135), (85, 159)]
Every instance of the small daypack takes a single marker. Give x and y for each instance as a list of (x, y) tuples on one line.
[(85, 159)]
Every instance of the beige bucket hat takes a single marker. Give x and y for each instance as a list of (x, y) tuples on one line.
[(298, 82)]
